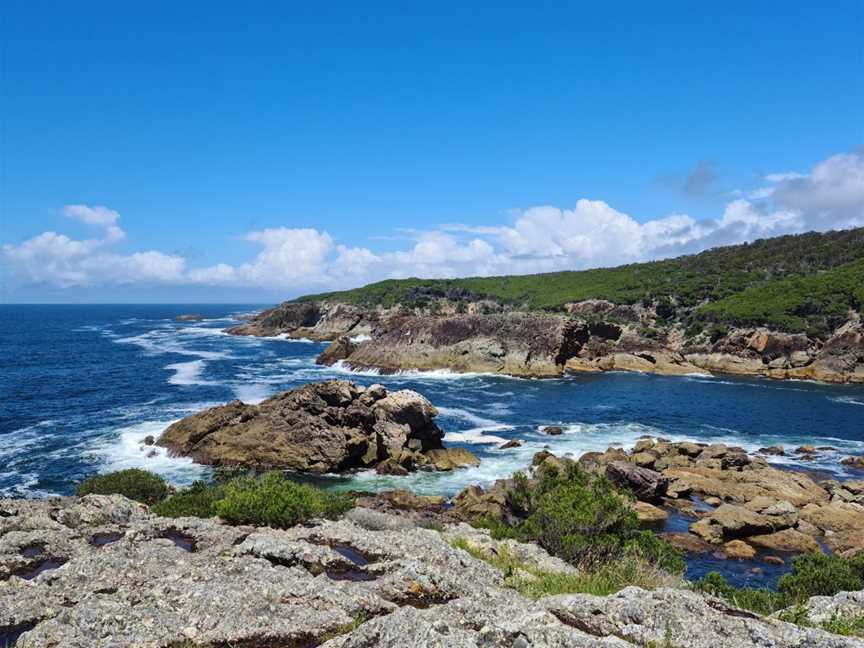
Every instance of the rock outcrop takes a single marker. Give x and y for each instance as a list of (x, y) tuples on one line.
[(322, 427), (741, 507), (591, 336), (518, 344), (101, 571), (674, 617)]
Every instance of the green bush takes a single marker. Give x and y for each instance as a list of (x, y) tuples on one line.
[(199, 500), (811, 575), (275, 500), (582, 518), (760, 600), (134, 483), (821, 575)]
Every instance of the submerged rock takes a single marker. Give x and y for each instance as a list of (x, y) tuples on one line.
[(321, 427)]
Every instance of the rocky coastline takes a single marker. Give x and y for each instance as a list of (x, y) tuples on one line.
[(739, 506), (591, 336)]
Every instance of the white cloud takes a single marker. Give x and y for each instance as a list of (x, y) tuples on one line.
[(544, 238)]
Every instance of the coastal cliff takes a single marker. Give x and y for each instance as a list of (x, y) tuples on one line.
[(788, 307)]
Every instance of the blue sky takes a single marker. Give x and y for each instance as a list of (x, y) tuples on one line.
[(250, 152)]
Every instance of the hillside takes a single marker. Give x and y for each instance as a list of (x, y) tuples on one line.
[(798, 283)]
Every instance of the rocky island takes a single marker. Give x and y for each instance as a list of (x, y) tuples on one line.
[(788, 307), (326, 427)]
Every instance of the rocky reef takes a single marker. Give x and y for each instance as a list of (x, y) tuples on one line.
[(739, 504), (102, 571), (329, 426), (590, 336)]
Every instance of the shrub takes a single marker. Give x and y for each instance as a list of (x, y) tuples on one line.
[(762, 601), (199, 500), (811, 575), (821, 575), (580, 517), (134, 483), (275, 500)]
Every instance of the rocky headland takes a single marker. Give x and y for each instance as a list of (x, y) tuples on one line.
[(102, 571), (331, 426), (590, 336), (786, 307)]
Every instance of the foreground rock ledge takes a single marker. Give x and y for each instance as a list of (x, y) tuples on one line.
[(321, 427), (101, 571)]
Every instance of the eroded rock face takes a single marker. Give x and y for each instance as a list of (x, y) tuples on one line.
[(308, 319), (320, 427), (523, 344), (594, 335)]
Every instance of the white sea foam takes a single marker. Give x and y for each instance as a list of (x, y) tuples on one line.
[(202, 330), (847, 400), (357, 339), (413, 374), (252, 393), (159, 342), (125, 449), (187, 373), (285, 337)]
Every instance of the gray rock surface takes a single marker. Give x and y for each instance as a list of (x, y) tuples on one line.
[(101, 571), (678, 617)]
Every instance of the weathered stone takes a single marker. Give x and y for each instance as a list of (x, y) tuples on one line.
[(789, 540), (681, 618), (553, 430), (512, 443), (738, 549), (644, 459), (450, 458), (321, 427), (647, 485), (649, 513), (776, 450)]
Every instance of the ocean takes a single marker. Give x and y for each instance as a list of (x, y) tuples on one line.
[(81, 386)]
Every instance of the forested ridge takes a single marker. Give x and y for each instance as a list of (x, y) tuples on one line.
[(797, 283)]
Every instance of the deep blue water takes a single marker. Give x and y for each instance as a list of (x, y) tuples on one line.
[(81, 386)]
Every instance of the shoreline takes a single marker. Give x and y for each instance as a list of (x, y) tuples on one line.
[(528, 344)]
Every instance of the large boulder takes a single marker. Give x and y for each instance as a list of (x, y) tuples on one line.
[(321, 427), (646, 484)]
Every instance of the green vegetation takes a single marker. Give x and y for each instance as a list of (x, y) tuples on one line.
[(598, 579), (797, 283), (811, 575), (846, 625), (582, 518), (275, 500), (199, 500), (358, 619), (134, 483), (270, 500), (814, 304)]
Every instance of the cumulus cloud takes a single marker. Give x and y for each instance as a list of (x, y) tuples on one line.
[(589, 234)]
